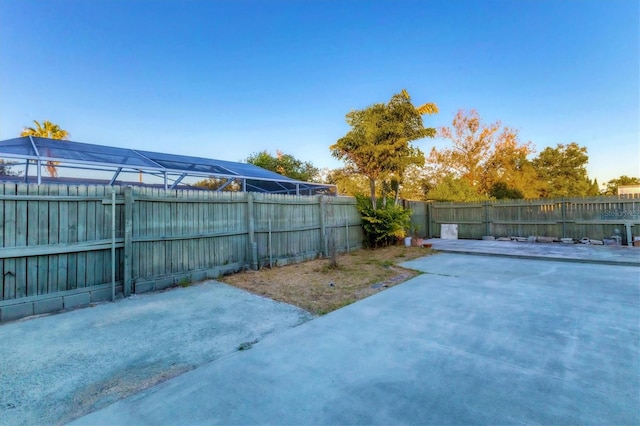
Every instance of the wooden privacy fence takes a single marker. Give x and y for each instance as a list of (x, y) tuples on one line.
[(595, 218), (64, 246)]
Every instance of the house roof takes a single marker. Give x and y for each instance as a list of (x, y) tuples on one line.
[(173, 168)]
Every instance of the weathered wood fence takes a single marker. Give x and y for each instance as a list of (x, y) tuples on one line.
[(65, 246), (69, 245), (595, 218)]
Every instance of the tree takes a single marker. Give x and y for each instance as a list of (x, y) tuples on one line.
[(472, 142), (501, 191), (452, 188), (378, 145), (5, 168), (508, 164), (348, 182), (563, 171), (416, 184), (594, 189), (219, 184), (286, 165), (47, 130), (483, 155), (611, 187)]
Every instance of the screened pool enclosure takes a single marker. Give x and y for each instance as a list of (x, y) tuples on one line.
[(41, 160)]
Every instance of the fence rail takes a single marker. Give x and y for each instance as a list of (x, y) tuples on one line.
[(60, 244)]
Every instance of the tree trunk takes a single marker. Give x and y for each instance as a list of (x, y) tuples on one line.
[(372, 187), (395, 185), (397, 195)]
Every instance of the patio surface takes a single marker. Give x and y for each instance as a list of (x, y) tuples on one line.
[(477, 339), (610, 255)]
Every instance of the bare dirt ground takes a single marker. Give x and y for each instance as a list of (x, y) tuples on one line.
[(319, 288)]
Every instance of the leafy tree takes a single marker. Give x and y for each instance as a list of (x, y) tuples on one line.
[(47, 129), (416, 184), (483, 155), (215, 184), (611, 187), (286, 165), (508, 164), (594, 189), (452, 188), (348, 182), (472, 142), (5, 168), (563, 171), (378, 145), (501, 191)]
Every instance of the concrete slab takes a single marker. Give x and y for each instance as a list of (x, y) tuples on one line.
[(58, 367), (608, 255), (473, 340)]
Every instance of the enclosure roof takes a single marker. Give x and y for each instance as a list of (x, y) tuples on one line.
[(255, 178)]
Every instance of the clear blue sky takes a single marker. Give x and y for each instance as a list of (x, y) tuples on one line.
[(225, 79)]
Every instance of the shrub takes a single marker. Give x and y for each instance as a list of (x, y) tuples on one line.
[(384, 225)]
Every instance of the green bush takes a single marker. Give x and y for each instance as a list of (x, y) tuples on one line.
[(384, 225)]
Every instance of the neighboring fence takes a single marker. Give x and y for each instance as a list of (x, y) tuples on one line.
[(420, 223), (64, 246), (595, 218)]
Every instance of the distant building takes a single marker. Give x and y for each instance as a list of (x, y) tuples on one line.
[(629, 190)]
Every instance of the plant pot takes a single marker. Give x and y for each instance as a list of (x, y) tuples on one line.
[(407, 241), (417, 242)]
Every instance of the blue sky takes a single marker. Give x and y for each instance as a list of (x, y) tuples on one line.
[(225, 79)]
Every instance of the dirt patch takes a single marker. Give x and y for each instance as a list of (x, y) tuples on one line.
[(319, 288)]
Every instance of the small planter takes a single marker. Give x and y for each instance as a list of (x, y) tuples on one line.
[(417, 242), (407, 241)]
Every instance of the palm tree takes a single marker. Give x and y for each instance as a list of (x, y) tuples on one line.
[(47, 130)]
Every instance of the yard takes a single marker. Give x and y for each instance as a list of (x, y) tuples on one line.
[(319, 287)]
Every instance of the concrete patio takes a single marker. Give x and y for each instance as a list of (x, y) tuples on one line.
[(477, 339)]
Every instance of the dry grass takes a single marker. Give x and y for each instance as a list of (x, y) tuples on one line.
[(318, 288)]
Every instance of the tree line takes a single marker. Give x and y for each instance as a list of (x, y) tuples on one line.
[(482, 160)]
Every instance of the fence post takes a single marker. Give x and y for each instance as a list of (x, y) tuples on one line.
[(113, 244), (486, 218), (346, 227), (253, 246), (429, 215), (323, 226), (564, 218), (128, 242)]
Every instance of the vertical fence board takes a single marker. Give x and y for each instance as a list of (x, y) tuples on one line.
[(43, 239), (11, 276), (53, 229), (63, 238), (128, 244), (32, 240), (174, 232), (81, 229), (21, 241), (72, 237), (3, 224)]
